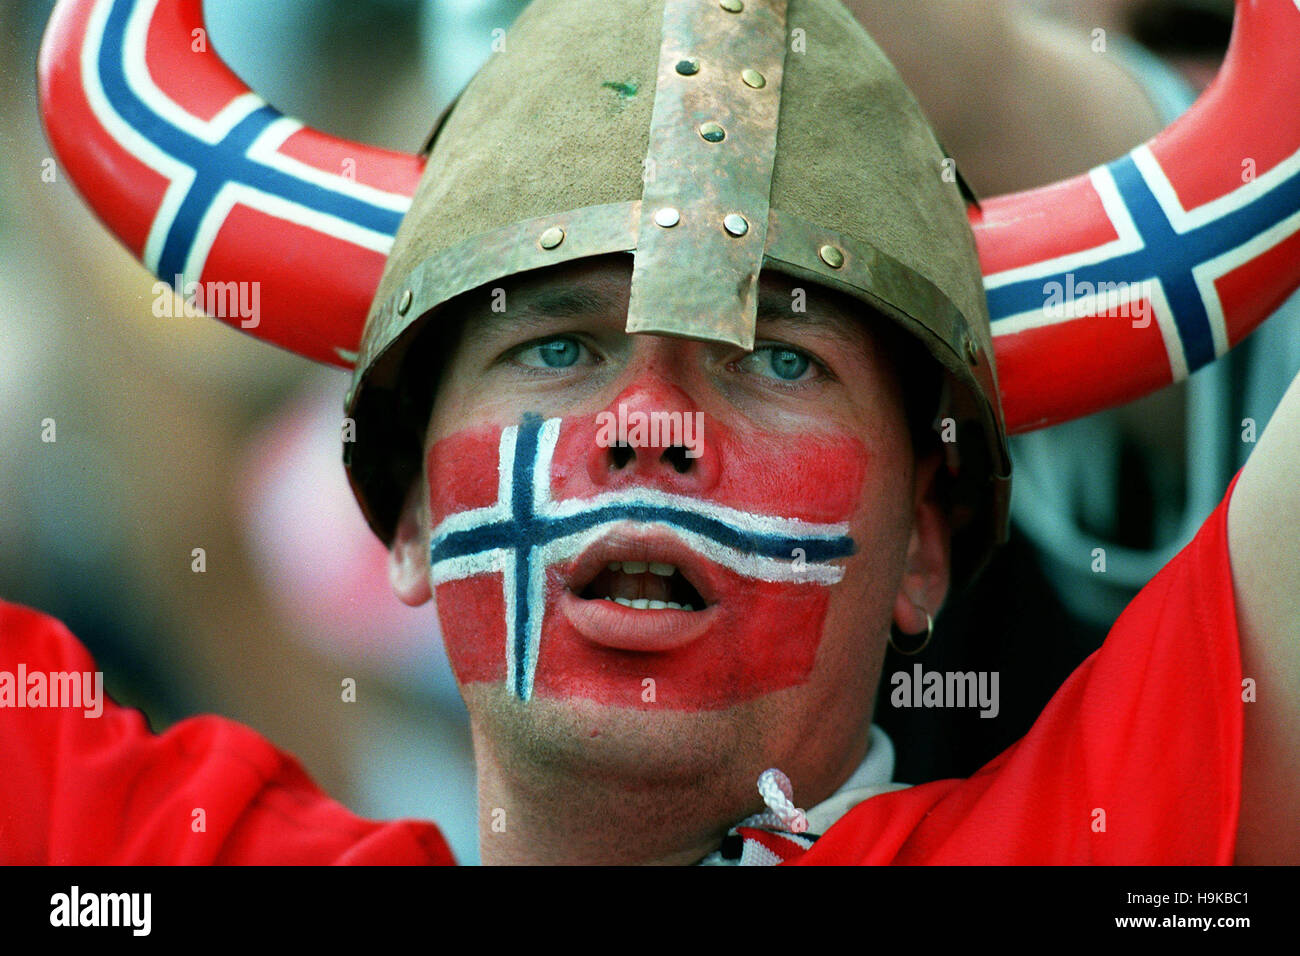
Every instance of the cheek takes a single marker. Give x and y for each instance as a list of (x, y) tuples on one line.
[(461, 472), (817, 478), (501, 625)]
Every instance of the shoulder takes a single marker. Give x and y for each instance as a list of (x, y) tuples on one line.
[(93, 785), (1135, 760)]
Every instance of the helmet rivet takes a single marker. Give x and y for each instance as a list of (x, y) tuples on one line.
[(551, 238), (404, 304), (688, 67), (667, 217), (732, 6), (831, 256), (712, 132), (753, 79), (736, 224), (972, 349)]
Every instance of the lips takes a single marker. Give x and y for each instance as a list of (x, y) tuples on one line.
[(640, 589)]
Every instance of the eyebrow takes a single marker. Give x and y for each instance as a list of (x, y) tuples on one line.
[(566, 302), (776, 308), (817, 311), (539, 309)]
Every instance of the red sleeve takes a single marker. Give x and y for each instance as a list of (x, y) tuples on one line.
[(1147, 731), (79, 789)]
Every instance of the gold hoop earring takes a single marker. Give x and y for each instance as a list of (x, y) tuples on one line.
[(929, 633)]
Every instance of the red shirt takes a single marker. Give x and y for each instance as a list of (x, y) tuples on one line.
[(105, 790), (1147, 730), (1136, 760)]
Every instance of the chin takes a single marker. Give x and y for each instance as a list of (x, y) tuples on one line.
[(637, 745)]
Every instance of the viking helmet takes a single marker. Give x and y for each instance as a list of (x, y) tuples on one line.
[(711, 140)]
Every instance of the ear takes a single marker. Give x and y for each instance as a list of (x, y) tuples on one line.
[(925, 573), (408, 559)]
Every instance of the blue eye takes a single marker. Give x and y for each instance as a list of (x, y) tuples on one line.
[(787, 363), (780, 362), (561, 352)]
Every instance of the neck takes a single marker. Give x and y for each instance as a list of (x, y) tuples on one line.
[(544, 813), (556, 819)]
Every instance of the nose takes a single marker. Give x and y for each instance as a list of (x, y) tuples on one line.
[(653, 435)]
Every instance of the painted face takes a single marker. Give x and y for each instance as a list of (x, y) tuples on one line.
[(650, 523), (562, 560)]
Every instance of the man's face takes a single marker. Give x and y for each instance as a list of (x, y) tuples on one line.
[(664, 556)]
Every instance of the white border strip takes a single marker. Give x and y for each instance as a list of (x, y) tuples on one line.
[(1213, 269), (1184, 220)]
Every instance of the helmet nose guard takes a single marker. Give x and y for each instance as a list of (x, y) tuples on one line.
[(712, 143)]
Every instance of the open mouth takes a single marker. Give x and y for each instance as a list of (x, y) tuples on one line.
[(643, 589), (645, 586)]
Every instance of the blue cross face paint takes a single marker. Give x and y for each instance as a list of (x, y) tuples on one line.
[(563, 567)]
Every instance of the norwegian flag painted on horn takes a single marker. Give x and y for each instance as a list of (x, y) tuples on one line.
[(531, 535), (205, 183), (1110, 285)]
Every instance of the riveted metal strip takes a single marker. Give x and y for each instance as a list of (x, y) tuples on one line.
[(708, 170)]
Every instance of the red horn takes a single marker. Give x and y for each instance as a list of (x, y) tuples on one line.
[(271, 226), (1107, 286)]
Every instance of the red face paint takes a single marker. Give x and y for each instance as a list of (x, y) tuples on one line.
[(527, 519)]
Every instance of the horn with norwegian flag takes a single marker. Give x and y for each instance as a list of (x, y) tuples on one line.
[(206, 183), (1101, 288), (1110, 285)]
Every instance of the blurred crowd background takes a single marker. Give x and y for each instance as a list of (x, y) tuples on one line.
[(180, 433)]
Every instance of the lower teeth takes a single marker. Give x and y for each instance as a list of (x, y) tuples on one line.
[(645, 604)]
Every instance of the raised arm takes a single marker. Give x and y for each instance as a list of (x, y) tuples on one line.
[(1264, 545)]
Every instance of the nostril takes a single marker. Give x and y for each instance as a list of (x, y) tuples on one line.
[(676, 456), (621, 454)]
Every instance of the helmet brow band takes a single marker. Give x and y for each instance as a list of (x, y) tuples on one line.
[(793, 245)]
